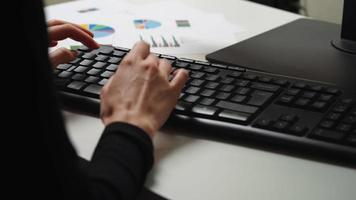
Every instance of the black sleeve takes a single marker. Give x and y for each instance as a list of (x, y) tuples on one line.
[(123, 155), (120, 162)]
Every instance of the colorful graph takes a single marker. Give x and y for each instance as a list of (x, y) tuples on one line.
[(146, 24), (99, 30)]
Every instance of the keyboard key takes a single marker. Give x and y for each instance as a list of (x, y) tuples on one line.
[(211, 77), (327, 135), (300, 85), (204, 110), (114, 60), (119, 53), (94, 71), (327, 124), (292, 92), (195, 67), (227, 80), (302, 102), (227, 88), (112, 67), (192, 90), (237, 107), (207, 101), (350, 120), (182, 106), (351, 140), (289, 118), (280, 82), (259, 98), (76, 85), (286, 99), (99, 65), (309, 95), (63, 66), (107, 74), (86, 62), (207, 93), (280, 125), (65, 74), (235, 116), (325, 97), (81, 69), (103, 81), (239, 98), (79, 77), (92, 79), (106, 51), (298, 129), (101, 58), (334, 91), (243, 90), (89, 55), (93, 89), (196, 82), (222, 95), (212, 85), (182, 64), (333, 116), (317, 88), (191, 98), (211, 70), (263, 123), (319, 105), (266, 87), (344, 127)]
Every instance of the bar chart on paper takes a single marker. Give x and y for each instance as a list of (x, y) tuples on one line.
[(163, 41)]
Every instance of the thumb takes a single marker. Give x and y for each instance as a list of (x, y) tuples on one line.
[(61, 55)]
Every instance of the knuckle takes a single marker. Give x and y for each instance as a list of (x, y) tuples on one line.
[(128, 60)]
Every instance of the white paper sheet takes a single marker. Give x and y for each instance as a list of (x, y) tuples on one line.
[(182, 30)]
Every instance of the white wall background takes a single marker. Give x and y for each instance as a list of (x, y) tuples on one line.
[(327, 10)]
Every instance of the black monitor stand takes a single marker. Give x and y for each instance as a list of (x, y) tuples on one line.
[(304, 48), (347, 42)]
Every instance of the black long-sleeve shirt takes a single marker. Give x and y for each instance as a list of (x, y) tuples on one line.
[(124, 153)]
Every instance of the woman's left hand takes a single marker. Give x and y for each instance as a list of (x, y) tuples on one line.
[(60, 30)]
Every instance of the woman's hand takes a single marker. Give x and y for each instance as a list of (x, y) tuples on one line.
[(60, 30), (140, 92)]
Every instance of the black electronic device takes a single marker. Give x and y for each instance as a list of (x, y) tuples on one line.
[(305, 48), (233, 103)]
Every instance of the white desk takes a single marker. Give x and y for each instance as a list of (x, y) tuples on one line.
[(188, 168)]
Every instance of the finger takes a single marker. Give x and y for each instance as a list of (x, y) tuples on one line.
[(53, 43), (64, 31), (61, 55), (140, 50), (152, 60), (179, 80), (165, 67), (55, 22)]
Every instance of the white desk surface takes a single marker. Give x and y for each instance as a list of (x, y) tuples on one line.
[(195, 169)]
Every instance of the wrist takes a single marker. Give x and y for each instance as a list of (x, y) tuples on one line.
[(135, 120)]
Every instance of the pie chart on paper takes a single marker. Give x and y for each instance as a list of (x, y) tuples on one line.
[(98, 30)]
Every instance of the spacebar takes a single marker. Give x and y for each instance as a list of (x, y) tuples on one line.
[(237, 107)]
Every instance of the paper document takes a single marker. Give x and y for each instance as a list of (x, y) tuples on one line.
[(169, 27)]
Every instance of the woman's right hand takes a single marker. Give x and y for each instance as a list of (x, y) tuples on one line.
[(140, 92)]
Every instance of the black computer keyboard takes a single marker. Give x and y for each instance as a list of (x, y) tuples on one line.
[(237, 102)]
